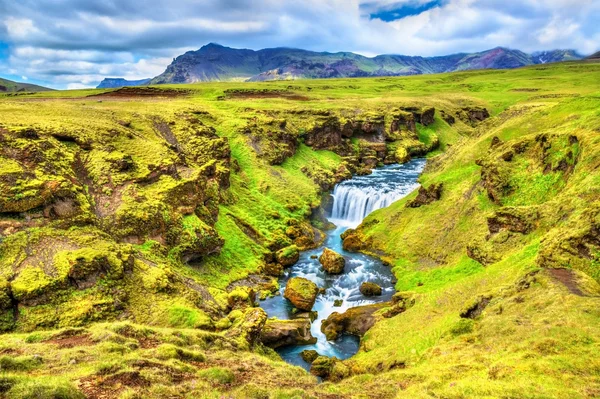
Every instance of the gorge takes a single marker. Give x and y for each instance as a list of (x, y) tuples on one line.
[(353, 200)]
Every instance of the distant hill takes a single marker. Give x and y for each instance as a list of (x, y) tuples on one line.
[(595, 56), (112, 83), (214, 62), (8, 86)]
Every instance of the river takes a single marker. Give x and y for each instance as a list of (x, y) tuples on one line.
[(353, 200)]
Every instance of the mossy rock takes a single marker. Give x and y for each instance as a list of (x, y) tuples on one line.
[(333, 263), (288, 256), (370, 289), (302, 293)]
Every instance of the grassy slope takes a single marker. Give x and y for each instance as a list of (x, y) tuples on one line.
[(13, 87), (534, 342), (526, 341)]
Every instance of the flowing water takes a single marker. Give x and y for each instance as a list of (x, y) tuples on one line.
[(353, 199)]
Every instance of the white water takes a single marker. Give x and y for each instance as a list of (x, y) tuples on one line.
[(353, 199)]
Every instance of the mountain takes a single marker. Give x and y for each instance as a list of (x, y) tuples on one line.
[(544, 57), (113, 83), (8, 86), (214, 62), (595, 56)]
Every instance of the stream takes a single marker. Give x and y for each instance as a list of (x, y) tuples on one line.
[(353, 200)]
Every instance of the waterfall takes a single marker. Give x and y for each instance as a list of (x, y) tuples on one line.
[(354, 199)]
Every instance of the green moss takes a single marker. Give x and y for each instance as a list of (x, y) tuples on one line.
[(180, 316), (217, 375), (168, 351), (43, 388)]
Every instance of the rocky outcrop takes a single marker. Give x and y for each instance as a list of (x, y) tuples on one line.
[(370, 289), (247, 329), (333, 263), (302, 293), (515, 219), (473, 115), (426, 196), (277, 333), (424, 116)]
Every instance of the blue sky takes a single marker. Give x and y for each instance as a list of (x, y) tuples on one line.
[(399, 10), (76, 43)]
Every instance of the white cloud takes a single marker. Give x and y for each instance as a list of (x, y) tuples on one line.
[(82, 41)]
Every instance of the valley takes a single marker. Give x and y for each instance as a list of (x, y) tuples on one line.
[(148, 235)]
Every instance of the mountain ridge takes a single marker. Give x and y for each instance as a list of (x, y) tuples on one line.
[(214, 62)]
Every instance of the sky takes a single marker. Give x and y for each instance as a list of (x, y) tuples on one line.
[(69, 44)]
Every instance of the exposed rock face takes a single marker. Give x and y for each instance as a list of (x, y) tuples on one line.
[(402, 121), (473, 115), (332, 262), (355, 321), (370, 289), (358, 320), (518, 220), (424, 116), (302, 293), (277, 333), (426, 196)]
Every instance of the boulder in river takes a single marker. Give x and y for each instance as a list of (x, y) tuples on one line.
[(355, 321), (302, 293), (370, 289), (333, 263), (277, 333)]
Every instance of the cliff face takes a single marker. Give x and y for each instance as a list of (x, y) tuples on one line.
[(218, 63)]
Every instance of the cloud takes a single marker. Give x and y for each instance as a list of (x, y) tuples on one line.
[(73, 42)]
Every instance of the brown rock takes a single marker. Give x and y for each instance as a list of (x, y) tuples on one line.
[(370, 289), (333, 263), (355, 321), (331, 369), (302, 293), (426, 196), (277, 333)]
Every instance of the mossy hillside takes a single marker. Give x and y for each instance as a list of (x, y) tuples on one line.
[(291, 193)]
